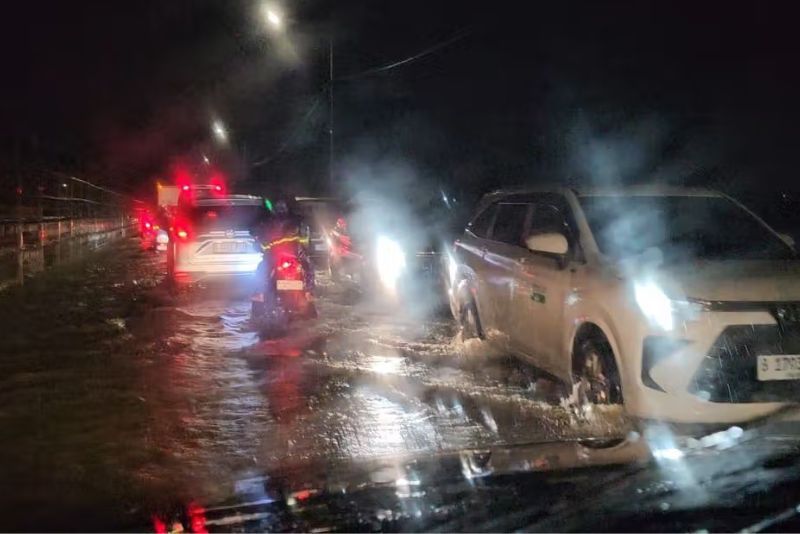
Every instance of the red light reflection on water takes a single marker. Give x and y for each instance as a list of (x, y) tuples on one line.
[(197, 518), (159, 527)]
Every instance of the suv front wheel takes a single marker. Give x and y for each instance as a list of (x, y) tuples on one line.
[(595, 371), (470, 323)]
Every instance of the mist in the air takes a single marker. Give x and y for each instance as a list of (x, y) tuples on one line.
[(399, 219)]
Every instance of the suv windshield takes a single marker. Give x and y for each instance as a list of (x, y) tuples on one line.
[(701, 227)]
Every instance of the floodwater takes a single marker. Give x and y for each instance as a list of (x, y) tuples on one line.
[(118, 396)]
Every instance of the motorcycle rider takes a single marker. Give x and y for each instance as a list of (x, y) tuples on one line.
[(286, 233)]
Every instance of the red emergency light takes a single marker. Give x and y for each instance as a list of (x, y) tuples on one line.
[(181, 230), (217, 183)]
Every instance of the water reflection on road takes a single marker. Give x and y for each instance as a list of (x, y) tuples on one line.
[(206, 401), (358, 382)]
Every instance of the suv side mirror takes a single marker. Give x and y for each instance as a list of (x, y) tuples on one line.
[(548, 243)]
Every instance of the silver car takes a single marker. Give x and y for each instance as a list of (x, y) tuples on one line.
[(211, 237), (680, 304)]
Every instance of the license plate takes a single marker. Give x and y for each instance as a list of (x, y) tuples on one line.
[(230, 247), (161, 247), (289, 285), (779, 367)]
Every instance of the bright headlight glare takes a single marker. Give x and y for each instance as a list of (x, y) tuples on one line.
[(661, 310), (655, 304), (452, 268), (391, 261)]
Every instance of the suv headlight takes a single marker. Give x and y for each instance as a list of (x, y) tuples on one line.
[(661, 310), (390, 261)]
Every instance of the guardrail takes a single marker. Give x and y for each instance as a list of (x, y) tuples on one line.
[(48, 217), (28, 247)]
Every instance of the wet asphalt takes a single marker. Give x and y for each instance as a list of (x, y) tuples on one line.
[(118, 395)]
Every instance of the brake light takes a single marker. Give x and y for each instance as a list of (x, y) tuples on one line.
[(303, 495), (181, 230), (286, 264), (288, 268), (217, 182), (197, 518), (186, 187), (148, 225), (159, 526)]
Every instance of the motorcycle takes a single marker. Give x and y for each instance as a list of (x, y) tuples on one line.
[(285, 296)]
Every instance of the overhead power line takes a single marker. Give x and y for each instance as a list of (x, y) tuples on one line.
[(464, 32), (460, 34), (295, 133)]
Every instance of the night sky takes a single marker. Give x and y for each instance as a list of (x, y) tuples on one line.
[(558, 92)]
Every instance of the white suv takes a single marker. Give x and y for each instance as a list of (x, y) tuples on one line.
[(211, 237), (681, 304)]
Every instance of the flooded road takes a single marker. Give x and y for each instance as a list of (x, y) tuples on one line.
[(118, 397)]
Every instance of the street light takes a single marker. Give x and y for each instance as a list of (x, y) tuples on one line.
[(272, 16), (274, 19), (219, 131)]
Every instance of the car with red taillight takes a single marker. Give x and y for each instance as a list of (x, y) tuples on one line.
[(211, 236), (152, 230), (284, 294)]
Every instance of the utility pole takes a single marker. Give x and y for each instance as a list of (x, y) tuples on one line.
[(245, 163), (330, 113)]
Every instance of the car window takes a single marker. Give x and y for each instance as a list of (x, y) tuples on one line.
[(680, 227), (510, 223), (482, 223), (547, 218)]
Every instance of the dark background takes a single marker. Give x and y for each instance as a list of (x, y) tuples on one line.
[(570, 92)]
